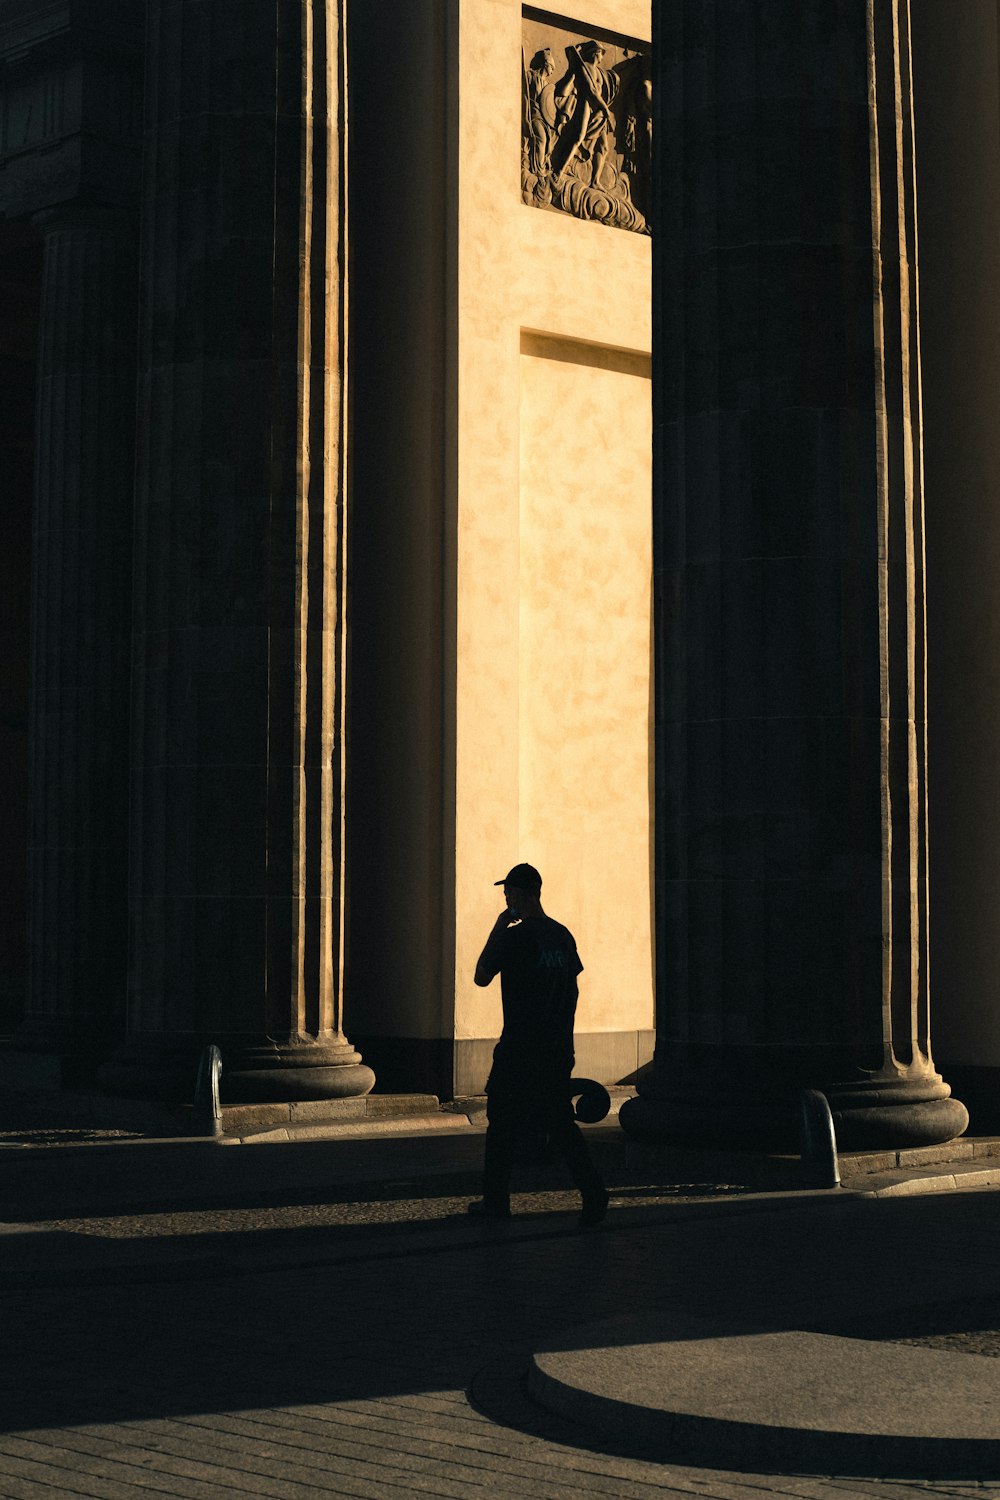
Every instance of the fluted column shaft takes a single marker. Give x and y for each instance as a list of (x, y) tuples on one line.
[(81, 577), (791, 874), (239, 692)]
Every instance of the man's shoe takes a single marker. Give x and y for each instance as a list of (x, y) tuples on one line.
[(483, 1210), (595, 1206)]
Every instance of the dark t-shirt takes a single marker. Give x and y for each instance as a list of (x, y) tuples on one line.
[(538, 966)]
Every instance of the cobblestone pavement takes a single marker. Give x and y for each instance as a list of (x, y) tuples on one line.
[(380, 1354)]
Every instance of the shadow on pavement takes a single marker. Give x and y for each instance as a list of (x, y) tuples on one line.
[(390, 1320), (143, 1179)]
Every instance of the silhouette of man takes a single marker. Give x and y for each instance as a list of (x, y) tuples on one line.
[(538, 965)]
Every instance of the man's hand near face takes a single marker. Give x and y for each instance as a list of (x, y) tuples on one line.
[(489, 966)]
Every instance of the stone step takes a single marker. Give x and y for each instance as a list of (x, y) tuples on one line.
[(241, 1119), (441, 1122), (911, 1182), (862, 1171), (787, 1402)]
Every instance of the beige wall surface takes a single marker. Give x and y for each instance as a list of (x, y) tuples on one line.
[(584, 710), (552, 552)]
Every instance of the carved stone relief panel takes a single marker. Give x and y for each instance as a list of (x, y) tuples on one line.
[(587, 130)]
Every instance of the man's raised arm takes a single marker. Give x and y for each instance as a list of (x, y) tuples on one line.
[(488, 966)]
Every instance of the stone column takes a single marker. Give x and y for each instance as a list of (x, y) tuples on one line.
[(791, 876), (81, 586), (236, 885), (956, 66)]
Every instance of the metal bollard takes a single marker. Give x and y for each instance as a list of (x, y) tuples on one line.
[(594, 1102), (206, 1112), (818, 1140)]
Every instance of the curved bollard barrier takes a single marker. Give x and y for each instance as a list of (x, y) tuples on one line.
[(206, 1111), (818, 1140)]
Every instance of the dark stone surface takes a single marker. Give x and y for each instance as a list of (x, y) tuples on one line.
[(410, 1062), (400, 533), (20, 285), (71, 90), (71, 80), (979, 1089), (376, 1306), (236, 895), (782, 631), (789, 1401), (81, 615), (958, 164)]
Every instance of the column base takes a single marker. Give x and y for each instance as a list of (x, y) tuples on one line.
[(896, 1112), (255, 1070), (321, 1069), (748, 1098)]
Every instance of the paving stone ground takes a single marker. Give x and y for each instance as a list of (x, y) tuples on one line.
[(310, 1320)]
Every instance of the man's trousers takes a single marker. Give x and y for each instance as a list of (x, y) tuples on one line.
[(512, 1103)]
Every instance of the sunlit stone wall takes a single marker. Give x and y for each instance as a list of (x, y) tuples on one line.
[(583, 657)]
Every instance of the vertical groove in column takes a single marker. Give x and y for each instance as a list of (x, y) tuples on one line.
[(337, 363), (922, 1031), (904, 626), (80, 617)]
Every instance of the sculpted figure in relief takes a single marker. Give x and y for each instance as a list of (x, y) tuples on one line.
[(541, 111), (584, 97), (637, 142), (576, 155)]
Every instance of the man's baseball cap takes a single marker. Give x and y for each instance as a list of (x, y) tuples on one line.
[(523, 878)]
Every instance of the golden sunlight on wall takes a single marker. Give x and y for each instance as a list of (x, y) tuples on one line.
[(584, 658), (551, 497), (502, 470)]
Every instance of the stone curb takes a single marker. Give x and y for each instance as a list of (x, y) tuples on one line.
[(683, 1438), (381, 1123), (788, 1402), (449, 1124), (903, 1184)]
